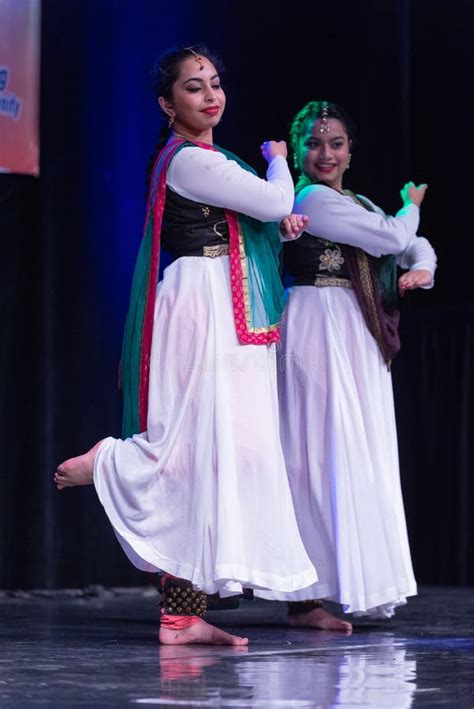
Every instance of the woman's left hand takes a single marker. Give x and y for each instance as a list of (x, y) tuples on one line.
[(293, 226), (414, 279), (272, 148)]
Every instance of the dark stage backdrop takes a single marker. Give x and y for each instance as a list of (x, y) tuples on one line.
[(69, 240)]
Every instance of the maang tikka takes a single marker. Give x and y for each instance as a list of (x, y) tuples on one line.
[(198, 59), (324, 126)]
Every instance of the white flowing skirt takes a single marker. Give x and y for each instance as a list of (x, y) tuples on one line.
[(204, 493), (340, 444)]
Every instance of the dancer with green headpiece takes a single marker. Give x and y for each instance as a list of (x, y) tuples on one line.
[(339, 336)]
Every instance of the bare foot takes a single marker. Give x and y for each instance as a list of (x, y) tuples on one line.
[(321, 619), (76, 471), (200, 633)]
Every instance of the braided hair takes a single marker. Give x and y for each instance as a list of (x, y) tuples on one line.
[(164, 75)]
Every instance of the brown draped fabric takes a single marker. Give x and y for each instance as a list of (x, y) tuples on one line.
[(381, 320)]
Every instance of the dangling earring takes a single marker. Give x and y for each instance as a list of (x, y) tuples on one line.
[(349, 161), (170, 120)]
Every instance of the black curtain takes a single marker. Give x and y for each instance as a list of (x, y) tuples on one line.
[(434, 395), (69, 241)]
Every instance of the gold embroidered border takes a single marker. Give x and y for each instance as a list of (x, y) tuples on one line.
[(368, 291), (368, 288), (216, 250), (245, 287), (323, 281)]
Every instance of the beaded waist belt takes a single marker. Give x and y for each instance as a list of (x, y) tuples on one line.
[(217, 250), (323, 282), (210, 251)]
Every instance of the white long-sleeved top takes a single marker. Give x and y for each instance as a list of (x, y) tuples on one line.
[(336, 217), (419, 254), (209, 177)]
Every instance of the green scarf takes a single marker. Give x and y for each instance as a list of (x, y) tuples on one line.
[(257, 291)]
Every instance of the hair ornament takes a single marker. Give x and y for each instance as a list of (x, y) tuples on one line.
[(197, 57), (324, 126)]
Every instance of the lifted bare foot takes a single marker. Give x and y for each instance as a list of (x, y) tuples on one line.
[(200, 633), (76, 471), (321, 619)]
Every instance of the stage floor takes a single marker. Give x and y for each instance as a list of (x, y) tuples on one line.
[(99, 649)]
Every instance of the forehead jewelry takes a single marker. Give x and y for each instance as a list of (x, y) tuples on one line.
[(324, 123), (198, 59)]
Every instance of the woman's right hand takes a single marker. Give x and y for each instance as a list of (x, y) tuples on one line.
[(272, 148), (414, 279), (413, 194), (293, 226)]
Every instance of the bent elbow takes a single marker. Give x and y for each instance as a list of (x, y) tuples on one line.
[(399, 241), (404, 239), (278, 210)]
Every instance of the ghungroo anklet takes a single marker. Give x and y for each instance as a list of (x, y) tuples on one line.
[(179, 598)]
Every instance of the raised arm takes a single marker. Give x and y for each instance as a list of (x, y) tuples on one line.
[(419, 257), (209, 177), (336, 217)]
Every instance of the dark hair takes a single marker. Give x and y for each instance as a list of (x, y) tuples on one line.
[(167, 66), (311, 112), (165, 74)]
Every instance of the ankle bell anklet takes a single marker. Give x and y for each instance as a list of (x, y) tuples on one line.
[(179, 598)]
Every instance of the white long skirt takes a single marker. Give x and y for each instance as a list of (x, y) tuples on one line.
[(340, 443), (204, 493)]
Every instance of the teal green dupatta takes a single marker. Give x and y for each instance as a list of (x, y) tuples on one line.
[(257, 291)]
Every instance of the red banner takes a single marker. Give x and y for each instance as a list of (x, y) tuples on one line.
[(19, 85)]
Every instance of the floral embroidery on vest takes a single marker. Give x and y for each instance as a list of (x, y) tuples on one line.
[(332, 259)]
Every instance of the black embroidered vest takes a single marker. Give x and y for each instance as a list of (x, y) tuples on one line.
[(189, 226), (308, 257), (314, 258)]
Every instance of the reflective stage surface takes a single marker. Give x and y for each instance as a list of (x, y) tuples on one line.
[(100, 649)]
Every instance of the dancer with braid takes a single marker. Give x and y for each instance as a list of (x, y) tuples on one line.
[(339, 337), (198, 487)]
